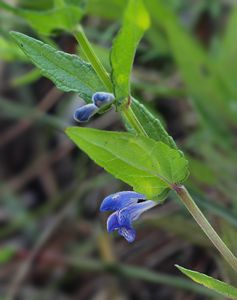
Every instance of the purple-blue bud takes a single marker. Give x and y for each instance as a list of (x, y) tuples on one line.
[(84, 113), (101, 99)]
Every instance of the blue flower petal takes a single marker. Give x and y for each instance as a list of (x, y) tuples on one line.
[(112, 222), (128, 233), (84, 113), (131, 213), (120, 200), (101, 99), (125, 218)]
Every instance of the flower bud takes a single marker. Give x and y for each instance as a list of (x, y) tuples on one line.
[(101, 99), (84, 113)]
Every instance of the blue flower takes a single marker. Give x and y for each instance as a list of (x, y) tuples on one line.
[(101, 99), (128, 207), (84, 113)]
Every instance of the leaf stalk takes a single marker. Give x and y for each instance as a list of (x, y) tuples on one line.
[(130, 116)]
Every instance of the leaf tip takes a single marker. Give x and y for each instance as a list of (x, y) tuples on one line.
[(14, 34), (181, 269)]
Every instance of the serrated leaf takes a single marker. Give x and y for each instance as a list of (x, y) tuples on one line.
[(211, 283), (58, 18), (67, 71), (151, 125), (150, 167), (135, 22)]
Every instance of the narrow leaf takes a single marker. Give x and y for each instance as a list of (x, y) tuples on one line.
[(228, 49), (26, 78), (67, 71), (211, 283), (150, 167), (209, 96), (135, 22)]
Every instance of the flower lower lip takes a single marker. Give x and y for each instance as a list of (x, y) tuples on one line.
[(127, 207)]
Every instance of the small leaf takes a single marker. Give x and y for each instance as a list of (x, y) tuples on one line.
[(150, 167), (151, 125), (135, 22), (67, 71), (58, 18), (6, 254), (211, 283)]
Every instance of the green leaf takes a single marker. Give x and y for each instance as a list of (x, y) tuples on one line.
[(7, 7), (151, 125), (67, 71), (45, 22), (209, 96), (228, 49), (211, 283), (135, 22), (201, 171), (106, 9), (36, 5), (27, 78), (226, 55), (150, 167), (6, 254), (59, 3)]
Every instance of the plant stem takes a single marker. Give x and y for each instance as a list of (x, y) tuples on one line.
[(189, 203), (187, 200), (9, 8), (91, 56), (105, 78), (129, 115)]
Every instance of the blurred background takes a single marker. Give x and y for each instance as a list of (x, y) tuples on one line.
[(53, 240)]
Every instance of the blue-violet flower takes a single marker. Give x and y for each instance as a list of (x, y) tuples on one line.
[(101, 99), (84, 113), (128, 207)]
